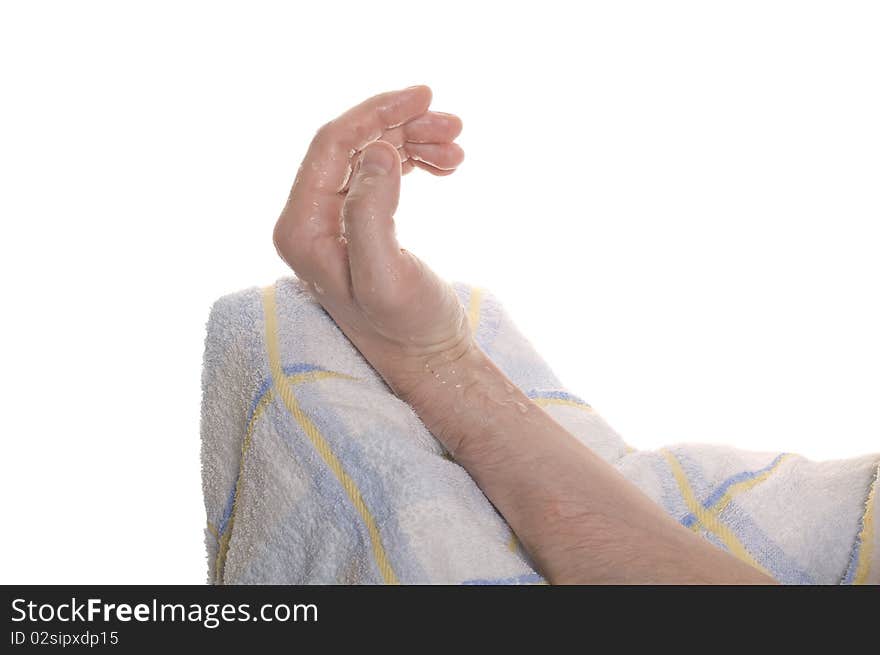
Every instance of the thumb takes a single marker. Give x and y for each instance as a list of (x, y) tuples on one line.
[(368, 216)]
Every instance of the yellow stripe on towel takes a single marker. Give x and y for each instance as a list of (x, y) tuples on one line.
[(866, 536), (224, 539), (285, 391), (544, 402), (474, 308), (708, 518)]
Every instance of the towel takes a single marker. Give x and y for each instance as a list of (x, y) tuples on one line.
[(314, 472)]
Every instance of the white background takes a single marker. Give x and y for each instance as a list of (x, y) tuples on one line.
[(676, 201)]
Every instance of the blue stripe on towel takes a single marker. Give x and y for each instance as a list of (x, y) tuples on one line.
[(716, 495), (526, 578), (766, 551), (291, 369)]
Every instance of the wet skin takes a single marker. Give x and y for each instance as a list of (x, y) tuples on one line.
[(576, 515), (337, 231)]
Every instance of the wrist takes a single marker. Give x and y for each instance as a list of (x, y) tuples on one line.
[(463, 399), (422, 376), (433, 383)]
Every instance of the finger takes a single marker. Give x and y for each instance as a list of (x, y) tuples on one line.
[(374, 255), (433, 127), (336, 142), (440, 158), (445, 156), (439, 172), (327, 165), (430, 127), (356, 162), (307, 233)]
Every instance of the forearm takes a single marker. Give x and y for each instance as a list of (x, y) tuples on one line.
[(576, 515), (579, 518)]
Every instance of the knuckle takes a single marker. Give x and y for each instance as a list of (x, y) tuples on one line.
[(363, 133), (334, 133), (327, 134)]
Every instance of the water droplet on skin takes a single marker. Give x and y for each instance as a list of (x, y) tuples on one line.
[(318, 288), (436, 375), (458, 386), (315, 165), (442, 381), (312, 219), (522, 408)]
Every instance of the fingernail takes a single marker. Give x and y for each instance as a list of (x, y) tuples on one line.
[(377, 159)]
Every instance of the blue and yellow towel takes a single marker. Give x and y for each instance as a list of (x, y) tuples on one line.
[(314, 472)]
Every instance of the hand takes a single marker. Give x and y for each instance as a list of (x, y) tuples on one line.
[(337, 233), (580, 519)]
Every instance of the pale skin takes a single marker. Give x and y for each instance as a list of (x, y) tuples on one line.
[(576, 515)]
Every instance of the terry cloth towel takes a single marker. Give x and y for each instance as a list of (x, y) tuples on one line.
[(314, 472)]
